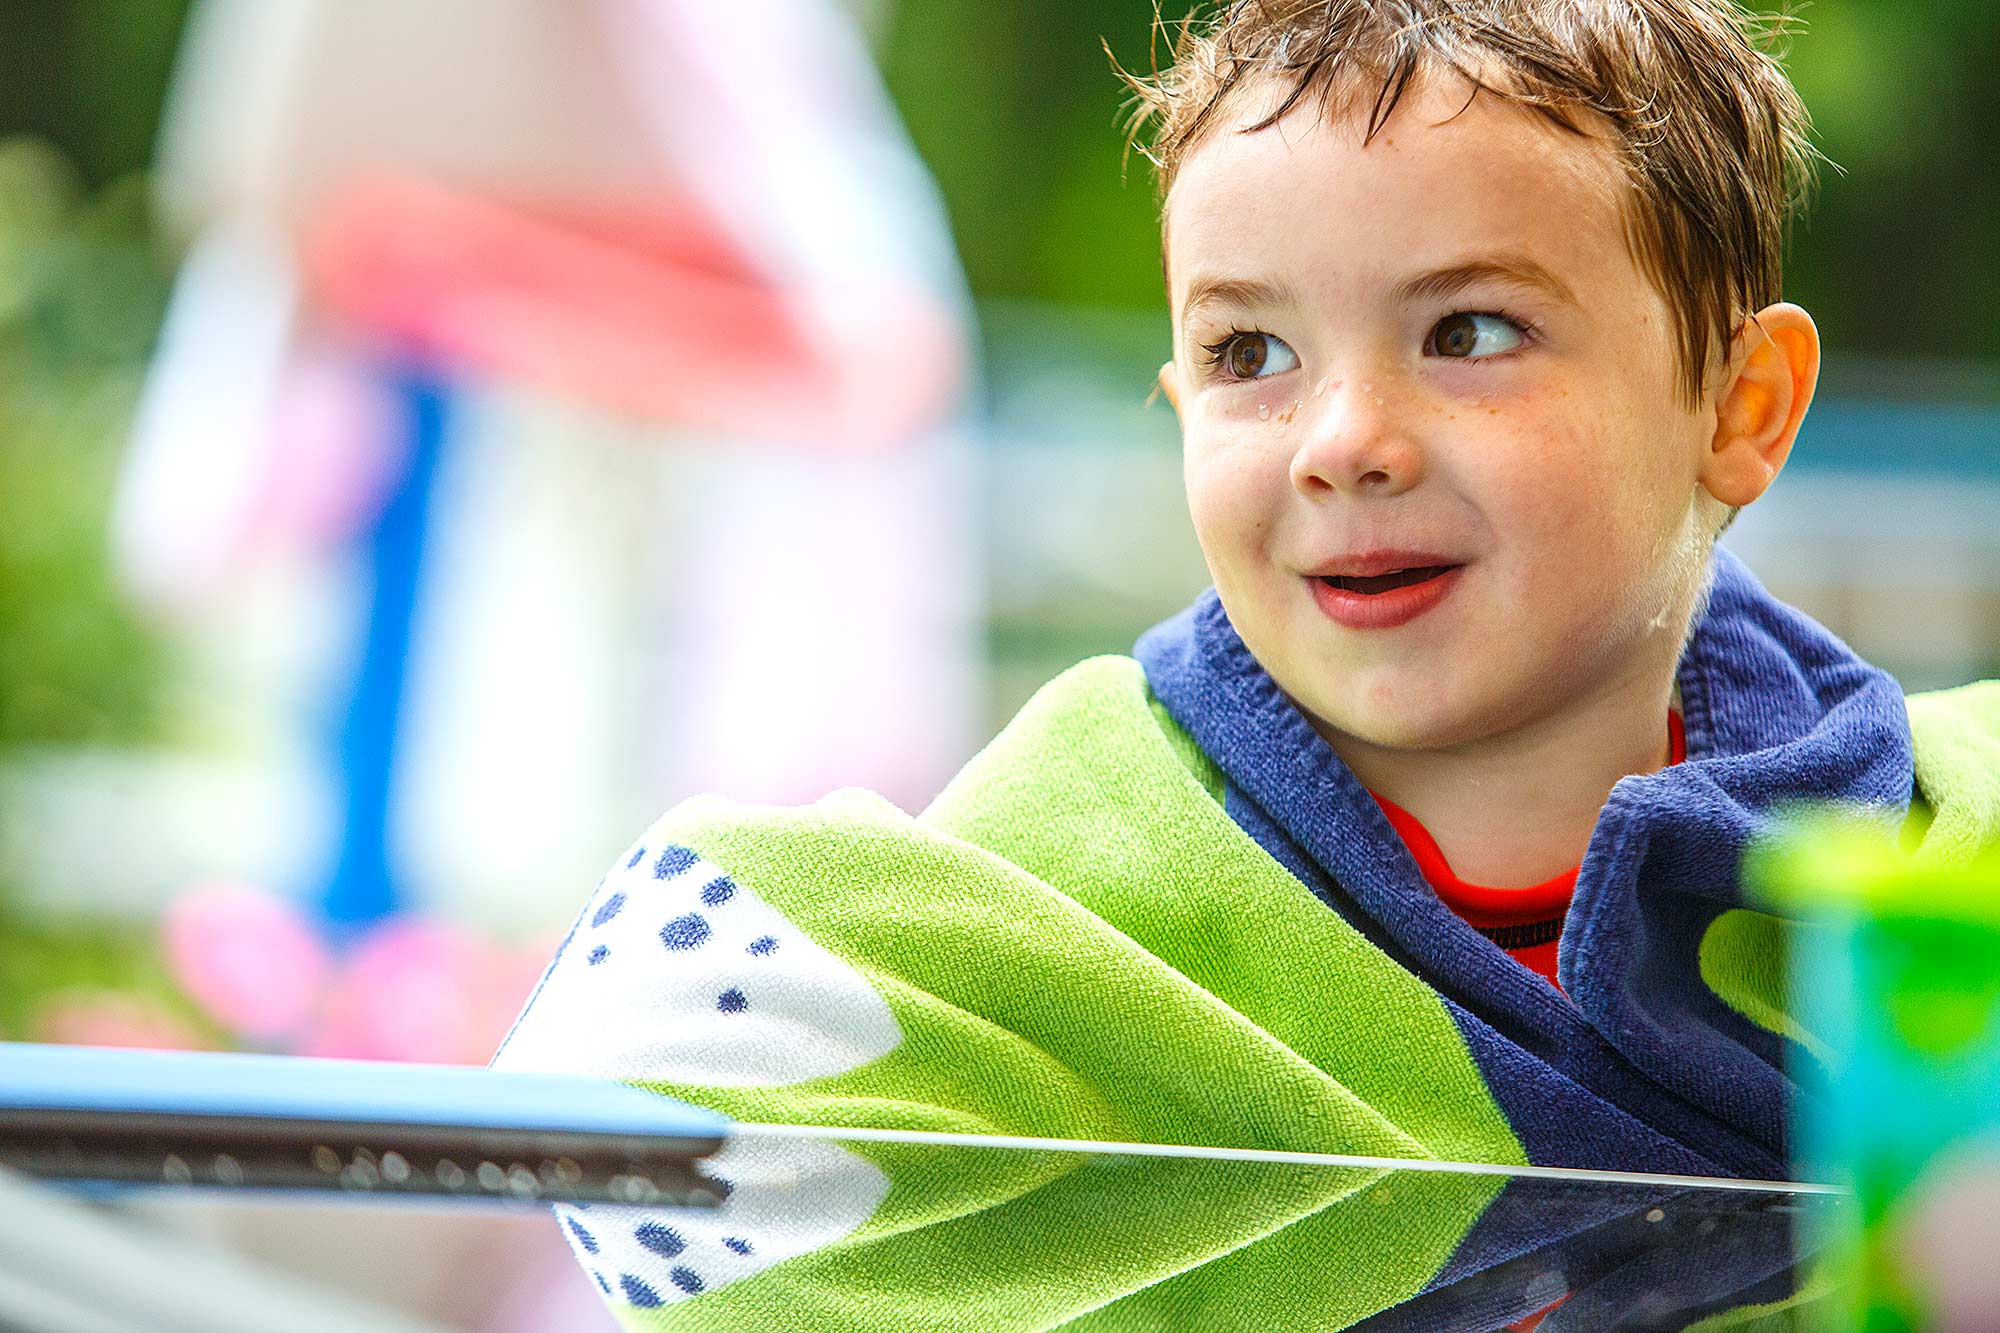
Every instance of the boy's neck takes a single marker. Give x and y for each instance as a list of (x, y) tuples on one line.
[(1516, 809)]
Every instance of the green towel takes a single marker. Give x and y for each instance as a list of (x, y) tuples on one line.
[(1074, 941), (1122, 963), (1957, 735)]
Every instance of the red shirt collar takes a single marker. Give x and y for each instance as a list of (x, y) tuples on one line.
[(1480, 904)]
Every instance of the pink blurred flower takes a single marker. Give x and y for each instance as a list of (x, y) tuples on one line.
[(249, 959), (413, 989), (409, 988)]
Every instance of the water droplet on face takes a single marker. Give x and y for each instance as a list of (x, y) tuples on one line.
[(1263, 411), (1325, 381), (1378, 401)]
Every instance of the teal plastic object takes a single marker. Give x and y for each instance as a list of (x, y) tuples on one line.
[(1899, 972)]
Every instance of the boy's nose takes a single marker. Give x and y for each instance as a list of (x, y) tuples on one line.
[(1354, 444)]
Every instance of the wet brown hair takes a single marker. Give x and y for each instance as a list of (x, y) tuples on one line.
[(1688, 93)]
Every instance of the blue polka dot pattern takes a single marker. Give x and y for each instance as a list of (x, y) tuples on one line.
[(601, 1282), (673, 860), (685, 932), (638, 1292), (732, 1001), (583, 1238), (718, 892), (687, 1280), (722, 1188), (638, 855), (598, 955), (737, 1243), (768, 944), (609, 910), (663, 1241)]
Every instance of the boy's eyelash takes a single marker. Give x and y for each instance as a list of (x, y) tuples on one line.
[(1527, 327), (1216, 349)]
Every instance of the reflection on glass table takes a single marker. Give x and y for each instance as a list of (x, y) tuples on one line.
[(224, 1192), (1270, 1241)]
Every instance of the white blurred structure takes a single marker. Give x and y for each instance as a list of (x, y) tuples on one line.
[(702, 516)]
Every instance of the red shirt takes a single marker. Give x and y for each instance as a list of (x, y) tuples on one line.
[(1526, 922)]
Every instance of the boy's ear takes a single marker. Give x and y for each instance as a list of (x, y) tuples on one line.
[(1170, 385), (1774, 366)]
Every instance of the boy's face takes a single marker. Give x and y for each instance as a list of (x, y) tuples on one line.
[(1430, 368)]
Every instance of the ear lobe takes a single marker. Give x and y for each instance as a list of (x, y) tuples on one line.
[(1774, 369), (1170, 385)]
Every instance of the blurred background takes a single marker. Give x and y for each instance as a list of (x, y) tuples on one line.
[(433, 439)]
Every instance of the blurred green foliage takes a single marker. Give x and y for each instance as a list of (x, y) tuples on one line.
[(1016, 109), (1902, 254), (80, 295), (87, 77), (46, 965)]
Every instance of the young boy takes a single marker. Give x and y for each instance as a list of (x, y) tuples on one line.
[(1418, 836)]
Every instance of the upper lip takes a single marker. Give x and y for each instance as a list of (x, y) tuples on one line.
[(1373, 564)]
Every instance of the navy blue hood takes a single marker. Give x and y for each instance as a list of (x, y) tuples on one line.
[(1639, 1065)]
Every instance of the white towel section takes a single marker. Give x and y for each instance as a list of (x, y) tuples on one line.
[(786, 1197), (675, 972)]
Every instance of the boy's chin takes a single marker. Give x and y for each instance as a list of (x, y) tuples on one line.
[(1427, 721)]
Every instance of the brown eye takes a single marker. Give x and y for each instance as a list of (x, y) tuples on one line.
[(1246, 356), (1251, 356), (1454, 336), (1467, 334)]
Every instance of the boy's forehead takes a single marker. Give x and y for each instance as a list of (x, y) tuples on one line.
[(1448, 172)]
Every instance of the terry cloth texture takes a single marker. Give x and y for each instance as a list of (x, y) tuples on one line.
[(1115, 925)]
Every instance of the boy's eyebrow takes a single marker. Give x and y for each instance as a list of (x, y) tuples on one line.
[(1212, 289), (1449, 281)]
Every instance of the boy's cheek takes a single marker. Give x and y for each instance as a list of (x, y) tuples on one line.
[(1225, 493)]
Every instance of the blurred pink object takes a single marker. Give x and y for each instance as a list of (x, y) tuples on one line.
[(111, 1018), (538, 1286), (420, 990), (410, 989), (335, 450), (249, 959)]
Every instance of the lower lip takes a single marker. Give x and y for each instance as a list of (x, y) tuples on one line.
[(1383, 610)]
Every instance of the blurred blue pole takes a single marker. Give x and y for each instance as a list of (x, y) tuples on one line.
[(364, 886)]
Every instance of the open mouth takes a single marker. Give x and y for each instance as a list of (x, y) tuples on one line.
[(1389, 582)]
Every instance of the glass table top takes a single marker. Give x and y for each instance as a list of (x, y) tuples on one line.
[(1025, 1233)]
